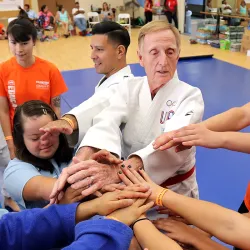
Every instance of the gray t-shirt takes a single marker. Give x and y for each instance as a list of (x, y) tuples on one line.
[(18, 173)]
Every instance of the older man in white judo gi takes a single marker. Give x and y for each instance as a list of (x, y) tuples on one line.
[(141, 109)]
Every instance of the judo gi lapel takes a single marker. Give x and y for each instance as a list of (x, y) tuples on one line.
[(150, 125)]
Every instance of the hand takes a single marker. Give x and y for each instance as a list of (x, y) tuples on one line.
[(130, 214), (57, 191), (104, 156), (110, 202), (91, 174), (11, 148), (71, 195), (171, 215), (178, 231), (55, 128), (198, 135), (129, 176), (112, 187), (165, 141)]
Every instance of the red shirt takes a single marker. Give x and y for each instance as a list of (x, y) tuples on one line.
[(171, 5)]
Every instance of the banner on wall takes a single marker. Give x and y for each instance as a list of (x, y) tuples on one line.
[(6, 5)]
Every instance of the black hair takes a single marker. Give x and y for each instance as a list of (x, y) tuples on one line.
[(38, 108), (27, 5), (60, 7), (22, 30), (22, 13), (43, 7), (115, 32)]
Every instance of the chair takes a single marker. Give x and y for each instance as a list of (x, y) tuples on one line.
[(122, 17), (11, 19), (93, 18)]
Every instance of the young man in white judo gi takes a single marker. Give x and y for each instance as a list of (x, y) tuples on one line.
[(140, 110), (109, 44)]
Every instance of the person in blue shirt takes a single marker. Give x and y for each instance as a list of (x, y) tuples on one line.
[(30, 177), (31, 13), (54, 227), (243, 8)]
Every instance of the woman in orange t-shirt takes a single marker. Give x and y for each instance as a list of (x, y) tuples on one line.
[(26, 77)]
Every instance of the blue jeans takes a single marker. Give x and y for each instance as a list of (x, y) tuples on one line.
[(81, 23)]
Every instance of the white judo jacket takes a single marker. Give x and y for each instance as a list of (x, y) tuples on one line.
[(141, 120), (85, 112), (114, 79)]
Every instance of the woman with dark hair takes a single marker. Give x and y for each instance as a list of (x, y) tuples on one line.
[(148, 10), (26, 77), (106, 13), (29, 178), (62, 17), (46, 18)]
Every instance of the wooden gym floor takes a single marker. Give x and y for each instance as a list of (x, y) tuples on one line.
[(74, 52)]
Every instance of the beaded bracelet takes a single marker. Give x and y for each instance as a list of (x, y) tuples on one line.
[(160, 196)]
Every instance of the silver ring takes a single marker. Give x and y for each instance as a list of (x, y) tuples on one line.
[(92, 179)]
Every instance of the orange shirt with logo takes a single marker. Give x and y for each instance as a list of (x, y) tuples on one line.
[(247, 197), (42, 81)]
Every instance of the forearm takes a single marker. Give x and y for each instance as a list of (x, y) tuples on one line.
[(236, 141), (151, 238), (227, 225), (5, 122), (205, 243), (86, 210), (234, 119), (38, 188), (73, 119)]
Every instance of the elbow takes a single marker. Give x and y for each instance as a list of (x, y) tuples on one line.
[(242, 117)]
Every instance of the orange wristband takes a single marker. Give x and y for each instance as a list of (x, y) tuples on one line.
[(159, 197), (112, 218), (8, 138), (69, 121)]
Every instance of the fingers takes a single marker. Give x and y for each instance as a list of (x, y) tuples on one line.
[(113, 187), (137, 188), (182, 147), (106, 156), (82, 165), (134, 195), (144, 175), (59, 185), (45, 136), (163, 224), (186, 138), (168, 145), (124, 178), (82, 183), (161, 140), (79, 177), (146, 207), (130, 175), (92, 189), (97, 194), (140, 202), (76, 160), (122, 203), (138, 176)]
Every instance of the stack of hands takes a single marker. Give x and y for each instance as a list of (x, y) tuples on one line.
[(126, 202)]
